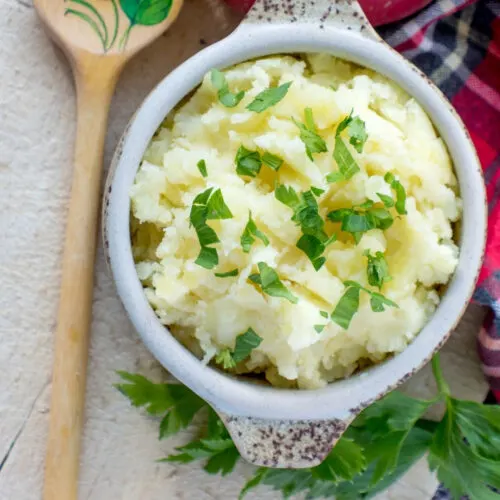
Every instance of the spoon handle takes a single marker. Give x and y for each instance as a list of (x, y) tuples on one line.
[(94, 84)]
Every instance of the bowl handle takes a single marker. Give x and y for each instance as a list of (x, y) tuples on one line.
[(294, 444), (341, 14)]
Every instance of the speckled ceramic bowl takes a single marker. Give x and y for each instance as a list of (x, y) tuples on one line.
[(270, 426)]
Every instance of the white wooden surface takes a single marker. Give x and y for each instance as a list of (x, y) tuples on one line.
[(36, 138)]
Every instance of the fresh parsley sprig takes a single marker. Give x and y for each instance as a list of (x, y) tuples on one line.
[(226, 97), (348, 304), (313, 142), (379, 447)]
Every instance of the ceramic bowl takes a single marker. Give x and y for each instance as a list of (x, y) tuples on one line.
[(283, 427)]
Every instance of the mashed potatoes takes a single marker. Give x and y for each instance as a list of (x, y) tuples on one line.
[(207, 312)]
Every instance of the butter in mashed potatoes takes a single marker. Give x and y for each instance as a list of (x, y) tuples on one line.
[(206, 312)]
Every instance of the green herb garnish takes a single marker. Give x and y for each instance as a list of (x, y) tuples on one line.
[(225, 359), (319, 328), (324, 314), (272, 161), (386, 200), (314, 240), (313, 142), (248, 162), (359, 220), (227, 98), (251, 232), (348, 304), (381, 444), (227, 274), (377, 270), (245, 343), (208, 205), (341, 154), (202, 167), (400, 192), (268, 98), (269, 281)]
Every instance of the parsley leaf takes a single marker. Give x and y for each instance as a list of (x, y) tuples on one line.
[(176, 401), (400, 192), (248, 162), (313, 142), (358, 220), (346, 307), (345, 161), (341, 154), (377, 270), (324, 314), (287, 195), (202, 167), (208, 205), (270, 283), (268, 98), (227, 98), (348, 304), (272, 161), (247, 238), (357, 133), (245, 344), (319, 328), (317, 191), (386, 200), (313, 248), (225, 359), (228, 274)]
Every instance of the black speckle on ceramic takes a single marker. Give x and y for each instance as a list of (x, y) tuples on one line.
[(341, 13), (283, 443)]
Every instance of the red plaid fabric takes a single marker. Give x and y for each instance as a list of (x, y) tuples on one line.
[(457, 44)]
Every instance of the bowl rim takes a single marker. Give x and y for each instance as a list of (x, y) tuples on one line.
[(342, 398)]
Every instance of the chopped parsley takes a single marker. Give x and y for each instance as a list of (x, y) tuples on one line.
[(226, 98), (400, 192), (245, 343), (208, 205), (251, 232), (360, 219), (386, 200), (248, 162), (341, 154), (228, 274), (202, 167), (348, 304), (272, 161), (314, 240), (319, 328), (313, 142), (377, 270), (270, 283), (268, 98)]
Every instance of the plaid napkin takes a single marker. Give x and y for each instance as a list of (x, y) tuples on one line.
[(457, 44)]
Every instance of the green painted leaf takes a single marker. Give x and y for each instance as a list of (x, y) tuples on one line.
[(146, 12)]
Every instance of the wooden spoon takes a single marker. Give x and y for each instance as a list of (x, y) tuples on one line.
[(98, 36)]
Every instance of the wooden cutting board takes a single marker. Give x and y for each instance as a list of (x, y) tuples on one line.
[(120, 443)]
